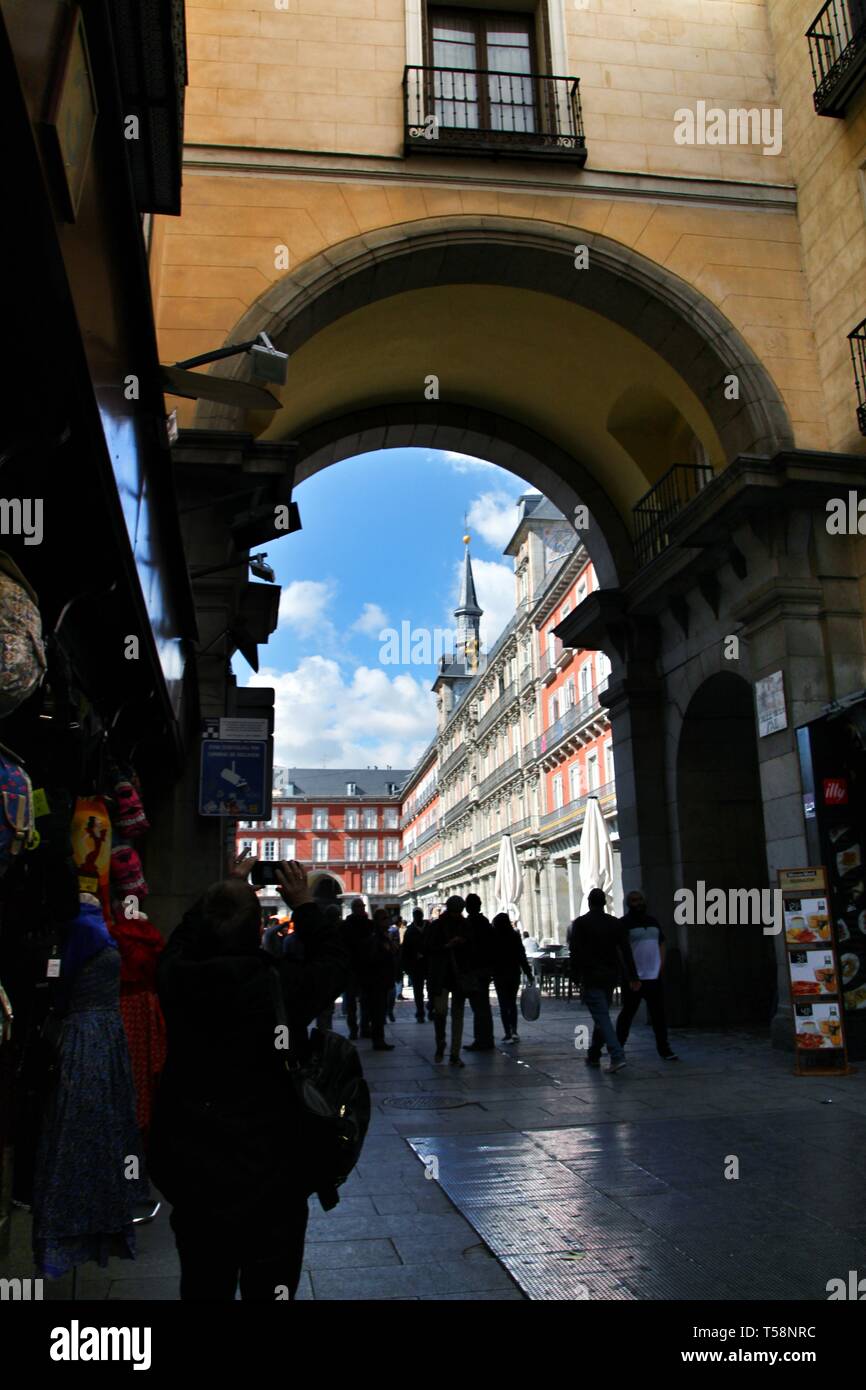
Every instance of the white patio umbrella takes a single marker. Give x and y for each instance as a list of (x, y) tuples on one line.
[(508, 883), (596, 853)]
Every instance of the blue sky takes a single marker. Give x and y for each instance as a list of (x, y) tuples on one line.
[(381, 544)]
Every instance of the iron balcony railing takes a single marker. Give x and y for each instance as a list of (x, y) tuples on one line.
[(456, 810), (857, 343), (587, 706), (657, 508), (455, 759), (500, 704), (571, 810), (499, 775), (425, 837), (480, 111), (837, 50)]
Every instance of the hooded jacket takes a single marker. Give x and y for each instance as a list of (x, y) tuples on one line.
[(224, 1127)]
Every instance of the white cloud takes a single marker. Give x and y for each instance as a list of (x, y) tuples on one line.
[(464, 463), (304, 603), (371, 620), (494, 584), (493, 515), (323, 719)]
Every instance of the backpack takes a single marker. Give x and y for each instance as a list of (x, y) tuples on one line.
[(331, 1100), (17, 821), (22, 653)]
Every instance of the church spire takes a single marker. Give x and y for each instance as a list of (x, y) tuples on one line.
[(468, 614)]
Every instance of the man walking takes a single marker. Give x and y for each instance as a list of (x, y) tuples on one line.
[(446, 952), (481, 953), (600, 955), (647, 942), (357, 934), (413, 960)]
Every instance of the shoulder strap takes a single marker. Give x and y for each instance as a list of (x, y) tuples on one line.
[(280, 1011)]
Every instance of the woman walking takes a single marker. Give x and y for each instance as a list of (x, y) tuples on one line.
[(509, 958)]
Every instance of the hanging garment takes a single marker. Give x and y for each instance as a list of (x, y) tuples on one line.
[(17, 822), (129, 815), (83, 1200), (140, 946), (91, 848), (22, 653)]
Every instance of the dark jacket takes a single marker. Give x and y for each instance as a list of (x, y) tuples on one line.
[(509, 953), (600, 951), (481, 946), (413, 955), (379, 970), (223, 1130), (447, 966), (356, 933)]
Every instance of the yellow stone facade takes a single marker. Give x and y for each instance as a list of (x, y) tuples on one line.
[(294, 135)]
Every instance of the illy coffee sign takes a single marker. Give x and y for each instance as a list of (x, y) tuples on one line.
[(835, 791)]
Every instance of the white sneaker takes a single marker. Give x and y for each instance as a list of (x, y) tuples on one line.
[(618, 1066)]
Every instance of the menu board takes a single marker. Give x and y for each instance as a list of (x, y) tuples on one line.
[(815, 972), (806, 920)]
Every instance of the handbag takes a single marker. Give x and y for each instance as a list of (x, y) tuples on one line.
[(330, 1102), (530, 1002)]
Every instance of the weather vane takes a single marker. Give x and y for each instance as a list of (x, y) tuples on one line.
[(466, 538)]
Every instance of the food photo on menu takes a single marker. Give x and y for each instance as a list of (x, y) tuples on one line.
[(807, 919), (817, 1026), (812, 973)]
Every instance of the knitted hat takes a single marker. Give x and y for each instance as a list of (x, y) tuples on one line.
[(130, 818), (126, 870)]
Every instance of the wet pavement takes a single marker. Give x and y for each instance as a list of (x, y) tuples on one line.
[(528, 1175)]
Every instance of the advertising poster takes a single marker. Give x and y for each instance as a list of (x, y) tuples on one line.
[(813, 973), (807, 920), (818, 1026)]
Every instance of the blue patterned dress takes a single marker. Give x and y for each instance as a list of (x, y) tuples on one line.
[(83, 1202)]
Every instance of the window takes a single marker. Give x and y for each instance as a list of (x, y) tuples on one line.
[(551, 648), (269, 849), (320, 818), (371, 818), (288, 818), (487, 60), (569, 692), (288, 849), (592, 772), (391, 819), (371, 881), (392, 849), (574, 782), (585, 679), (393, 881), (353, 819), (554, 708), (353, 850), (370, 849), (320, 851), (603, 663), (609, 769), (351, 789), (581, 591), (248, 845), (557, 791), (564, 611)]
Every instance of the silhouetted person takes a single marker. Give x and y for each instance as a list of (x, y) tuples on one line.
[(509, 958), (647, 942), (378, 978), (481, 957), (446, 951), (600, 956), (413, 960), (223, 1145), (357, 930)]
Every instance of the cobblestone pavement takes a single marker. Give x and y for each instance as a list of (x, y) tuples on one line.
[(556, 1181)]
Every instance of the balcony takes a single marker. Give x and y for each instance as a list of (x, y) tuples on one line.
[(455, 811), (500, 704), (586, 709), (837, 50), (499, 775), (481, 112), (424, 838), (857, 342), (454, 760), (657, 508), (561, 816)]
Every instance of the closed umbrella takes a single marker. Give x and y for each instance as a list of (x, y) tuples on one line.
[(596, 853), (508, 883)]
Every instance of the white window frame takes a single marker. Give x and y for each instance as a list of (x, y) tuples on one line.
[(270, 850), (371, 880), (574, 782), (370, 819), (353, 851), (320, 818), (353, 818), (288, 849), (592, 772), (391, 820), (391, 848), (318, 847), (585, 679), (558, 794), (372, 841)]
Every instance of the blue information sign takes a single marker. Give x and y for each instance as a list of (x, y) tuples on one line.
[(235, 778)]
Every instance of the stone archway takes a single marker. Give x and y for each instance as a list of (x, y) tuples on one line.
[(663, 311)]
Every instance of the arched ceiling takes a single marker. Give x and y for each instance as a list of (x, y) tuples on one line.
[(555, 367)]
